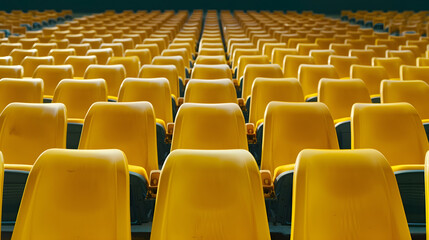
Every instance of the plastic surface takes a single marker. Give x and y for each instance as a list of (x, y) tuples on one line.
[(112, 74), (172, 60), (209, 126), (210, 91), (346, 194), (74, 194), (30, 64), (253, 71), (80, 63), (310, 75), (131, 64), (291, 64), (243, 61), (415, 73), (20, 90), (52, 75), (11, 71), (203, 71), (342, 64), (391, 65), (162, 71), (372, 76), (226, 201)]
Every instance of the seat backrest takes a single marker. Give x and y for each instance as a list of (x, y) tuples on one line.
[(407, 56), (11, 71), (102, 54), (162, 71), (60, 55), (415, 92), (321, 56), (280, 53), (128, 126), (112, 74), (210, 91), (292, 127), (340, 95), (52, 75), (19, 54), (33, 127), (243, 61), (364, 56), (30, 64), (309, 76), (154, 90), (172, 60), (62, 183), (80, 63), (394, 129), (342, 64), (131, 64), (266, 90), (20, 90), (414, 73), (253, 71), (371, 75), (228, 206), (209, 126), (392, 65), (210, 60), (144, 55), (327, 183), (218, 71), (291, 64), (79, 95)]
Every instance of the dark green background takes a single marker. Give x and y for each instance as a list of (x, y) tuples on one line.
[(328, 6)]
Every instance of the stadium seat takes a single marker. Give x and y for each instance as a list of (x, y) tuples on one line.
[(101, 179), (81, 49), (43, 49), (11, 71), (20, 90), (129, 127), (52, 75), (291, 64), (309, 77), (6, 60), (29, 64), (19, 54), (326, 182), (210, 60), (102, 54), (60, 55), (210, 91), (233, 206), (219, 71), (80, 64), (131, 64), (380, 50), (342, 64), (164, 71), (321, 56), (372, 76), (414, 73), (391, 65), (117, 48), (341, 49), (144, 55), (407, 57), (112, 74), (243, 61), (280, 53), (253, 71), (173, 60), (6, 48), (396, 130), (364, 56)]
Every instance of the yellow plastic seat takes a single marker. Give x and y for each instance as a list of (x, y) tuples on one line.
[(19, 54), (6, 60), (158, 41), (44, 48), (6, 48), (328, 182), (340, 95), (292, 127), (253, 71), (102, 54), (343, 64), (131, 64), (392, 66), (414, 73), (128, 43), (79, 95), (52, 75), (29, 64), (356, 43), (144, 55), (36, 126), (203, 71), (20, 90), (241, 52), (80, 63), (291, 64), (380, 50), (210, 60), (407, 57), (305, 48), (422, 62), (415, 92), (390, 43), (117, 48), (266, 90), (60, 55), (280, 53), (321, 56), (163, 71), (210, 91), (154, 90), (183, 52), (251, 59), (209, 126), (310, 75), (81, 49), (227, 207), (372, 76), (94, 180), (268, 49), (190, 51), (112, 74), (172, 60), (341, 49), (394, 129), (11, 71), (364, 56), (127, 126)]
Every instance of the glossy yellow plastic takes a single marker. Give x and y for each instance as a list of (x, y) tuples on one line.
[(371, 75), (310, 75), (6, 60), (79, 95), (243, 61), (60, 55), (342, 64), (112, 74), (30, 64), (209, 126), (28, 129), (102, 54), (203, 71), (414, 73), (392, 66), (154, 90), (19, 54), (266, 90), (292, 127), (280, 53), (321, 56), (183, 52), (11, 71), (394, 129), (340, 95), (20, 90), (128, 126), (144, 55), (52, 75), (364, 56), (210, 60), (291, 64), (80, 64), (76, 194), (346, 194), (44, 48), (210, 91), (131, 64), (407, 56), (253, 71), (172, 60), (162, 71), (226, 202)]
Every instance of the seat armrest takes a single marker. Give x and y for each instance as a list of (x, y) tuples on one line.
[(251, 135), (241, 103), (153, 183), (169, 132), (267, 183), (180, 101)]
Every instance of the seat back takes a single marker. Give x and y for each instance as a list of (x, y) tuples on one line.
[(292, 127), (128, 126), (162, 71), (131, 64), (62, 183), (172, 60), (310, 75), (392, 66), (414, 73), (210, 91), (371, 75), (11, 71), (291, 64), (29, 64), (342, 64), (328, 182), (80, 63), (209, 126), (219, 71), (394, 129), (20, 90), (243, 61), (28, 129), (253, 71), (112, 74), (52, 75)]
